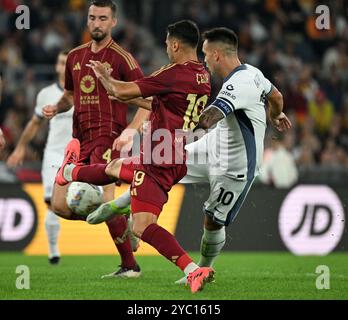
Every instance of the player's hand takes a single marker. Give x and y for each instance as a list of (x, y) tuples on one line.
[(2, 141), (100, 69), (49, 111), (281, 122), (124, 142), (16, 158)]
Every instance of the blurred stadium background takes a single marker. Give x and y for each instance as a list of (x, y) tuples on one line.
[(299, 203)]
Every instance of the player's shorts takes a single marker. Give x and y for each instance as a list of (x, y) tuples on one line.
[(50, 165), (98, 150), (150, 186), (227, 194)]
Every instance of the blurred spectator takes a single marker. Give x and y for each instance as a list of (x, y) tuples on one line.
[(279, 167), (294, 100), (309, 147), (306, 84), (322, 111)]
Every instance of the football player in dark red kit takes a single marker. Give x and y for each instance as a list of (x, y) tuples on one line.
[(180, 92), (98, 122)]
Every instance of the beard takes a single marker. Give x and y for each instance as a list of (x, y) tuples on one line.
[(98, 35)]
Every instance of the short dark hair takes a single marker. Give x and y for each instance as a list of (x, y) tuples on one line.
[(105, 3), (186, 31), (224, 35)]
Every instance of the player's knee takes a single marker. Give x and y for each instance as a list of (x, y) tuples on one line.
[(111, 169), (138, 229), (59, 207), (211, 225), (55, 205)]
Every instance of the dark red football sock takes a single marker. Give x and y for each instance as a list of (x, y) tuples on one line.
[(93, 173), (166, 245), (117, 227), (127, 172)]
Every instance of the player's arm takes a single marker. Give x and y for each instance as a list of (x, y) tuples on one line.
[(120, 90), (32, 127), (64, 104), (124, 91), (125, 140), (139, 102), (209, 118), (278, 118)]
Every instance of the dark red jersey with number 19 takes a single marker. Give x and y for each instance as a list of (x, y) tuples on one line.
[(180, 93)]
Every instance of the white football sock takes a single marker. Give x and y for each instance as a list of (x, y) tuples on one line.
[(52, 229), (67, 172), (211, 245), (190, 268), (124, 199)]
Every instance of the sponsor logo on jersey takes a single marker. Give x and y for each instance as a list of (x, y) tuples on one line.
[(87, 84), (228, 94), (77, 67)]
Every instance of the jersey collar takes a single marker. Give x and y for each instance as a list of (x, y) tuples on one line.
[(239, 68)]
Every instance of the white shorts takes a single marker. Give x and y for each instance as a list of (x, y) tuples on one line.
[(50, 166), (227, 194)]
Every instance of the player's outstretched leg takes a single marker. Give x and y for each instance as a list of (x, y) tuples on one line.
[(119, 206), (71, 155), (105, 211), (211, 245)]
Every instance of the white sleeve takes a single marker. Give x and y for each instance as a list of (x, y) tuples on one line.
[(267, 85), (40, 103), (230, 98)]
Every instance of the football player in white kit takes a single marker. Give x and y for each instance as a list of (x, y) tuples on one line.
[(60, 133), (230, 155)]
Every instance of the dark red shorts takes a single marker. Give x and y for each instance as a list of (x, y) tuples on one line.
[(151, 184), (98, 151)]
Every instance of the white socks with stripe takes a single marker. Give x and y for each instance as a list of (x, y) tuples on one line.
[(52, 229), (211, 245), (123, 200)]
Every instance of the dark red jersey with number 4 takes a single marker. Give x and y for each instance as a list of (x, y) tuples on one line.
[(95, 114)]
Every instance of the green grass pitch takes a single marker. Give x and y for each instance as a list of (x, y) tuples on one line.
[(238, 276)]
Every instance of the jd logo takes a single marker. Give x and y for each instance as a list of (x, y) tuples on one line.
[(311, 220), (323, 20), (314, 212), (18, 218), (23, 20)]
